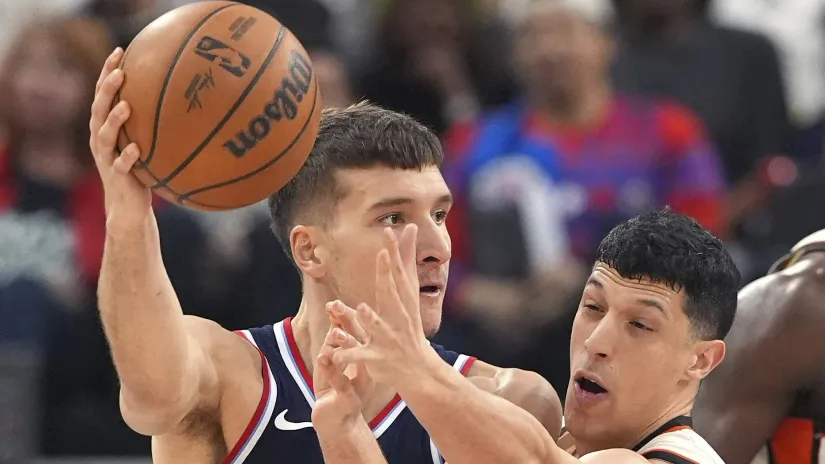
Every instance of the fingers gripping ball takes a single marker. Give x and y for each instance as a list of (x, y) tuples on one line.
[(224, 105)]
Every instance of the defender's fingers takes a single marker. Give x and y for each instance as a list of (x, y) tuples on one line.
[(348, 319), (343, 357), (333, 375), (404, 272), (388, 301)]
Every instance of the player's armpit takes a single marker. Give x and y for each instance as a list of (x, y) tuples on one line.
[(526, 389), (208, 343)]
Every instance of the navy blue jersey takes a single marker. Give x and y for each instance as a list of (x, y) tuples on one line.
[(281, 428)]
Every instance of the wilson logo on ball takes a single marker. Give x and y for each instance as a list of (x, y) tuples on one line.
[(231, 60), (284, 104)]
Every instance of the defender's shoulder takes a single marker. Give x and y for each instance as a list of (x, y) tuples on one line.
[(790, 295), (526, 389)]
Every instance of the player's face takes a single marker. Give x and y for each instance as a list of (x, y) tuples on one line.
[(631, 355), (381, 197)]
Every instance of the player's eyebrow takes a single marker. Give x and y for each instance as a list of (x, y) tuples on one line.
[(594, 282), (446, 199), (390, 202), (399, 201), (652, 304)]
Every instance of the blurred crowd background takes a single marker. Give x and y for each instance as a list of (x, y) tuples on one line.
[(557, 125)]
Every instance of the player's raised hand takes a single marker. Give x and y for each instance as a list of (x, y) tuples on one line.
[(393, 341), (127, 200), (338, 396)]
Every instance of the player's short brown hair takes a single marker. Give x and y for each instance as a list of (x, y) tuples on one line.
[(361, 136)]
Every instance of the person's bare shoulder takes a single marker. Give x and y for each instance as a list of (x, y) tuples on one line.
[(230, 353), (526, 389), (778, 328)]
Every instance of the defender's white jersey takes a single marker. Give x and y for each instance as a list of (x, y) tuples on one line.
[(677, 443)]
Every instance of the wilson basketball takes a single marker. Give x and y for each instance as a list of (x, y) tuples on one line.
[(225, 105)]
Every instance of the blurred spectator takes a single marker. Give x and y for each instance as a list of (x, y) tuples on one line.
[(798, 31), (127, 17), (15, 14), (51, 218), (52, 221), (50, 196), (730, 78), (311, 22), (438, 60), (541, 181)]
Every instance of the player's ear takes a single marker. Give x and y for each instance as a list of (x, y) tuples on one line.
[(707, 355), (308, 251)]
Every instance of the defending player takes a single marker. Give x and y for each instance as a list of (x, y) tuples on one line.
[(766, 404), (659, 301), (208, 395)]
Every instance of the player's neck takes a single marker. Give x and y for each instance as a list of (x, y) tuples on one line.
[(633, 437), (310, 325)]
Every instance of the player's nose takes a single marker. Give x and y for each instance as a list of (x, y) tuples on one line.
[(433, 245), (601, 341)]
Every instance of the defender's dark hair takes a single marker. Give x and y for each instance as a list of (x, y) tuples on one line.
[(361, 136), (673, 249)]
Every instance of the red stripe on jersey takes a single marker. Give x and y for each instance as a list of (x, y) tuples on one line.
[(385, 412), (259, 411), (465, 369)]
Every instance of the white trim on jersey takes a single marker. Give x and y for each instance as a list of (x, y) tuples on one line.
[(295, 371), (389, 419), (459, 364), (684, 443), (291, 364), (265, 418)]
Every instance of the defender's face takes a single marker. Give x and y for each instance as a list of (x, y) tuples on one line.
[(629, 353), (380, 197)]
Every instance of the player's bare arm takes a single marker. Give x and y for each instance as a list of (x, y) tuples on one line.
[(523, 388), (466, 423), (163, 358), (780, 332)]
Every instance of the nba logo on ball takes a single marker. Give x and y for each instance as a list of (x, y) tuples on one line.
[(225, 116)]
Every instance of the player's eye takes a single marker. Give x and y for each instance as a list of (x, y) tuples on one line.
[(639, 325), (593, 307), (392, 219), (440, 216)]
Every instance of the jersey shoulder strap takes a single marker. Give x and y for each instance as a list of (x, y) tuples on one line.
[(794, 256)]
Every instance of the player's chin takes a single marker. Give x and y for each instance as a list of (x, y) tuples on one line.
[(430, 315)]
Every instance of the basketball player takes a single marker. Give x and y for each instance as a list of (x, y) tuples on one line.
[(766, 404), (659, 301), (209, 395)]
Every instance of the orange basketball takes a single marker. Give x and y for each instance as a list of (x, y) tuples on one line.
[(225, 105)]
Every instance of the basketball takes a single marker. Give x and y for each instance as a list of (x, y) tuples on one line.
[(224, 105)]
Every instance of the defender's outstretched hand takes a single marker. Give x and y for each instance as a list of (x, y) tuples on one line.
[(343, 433), (393, 344), (127, 200), (338, 397)]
